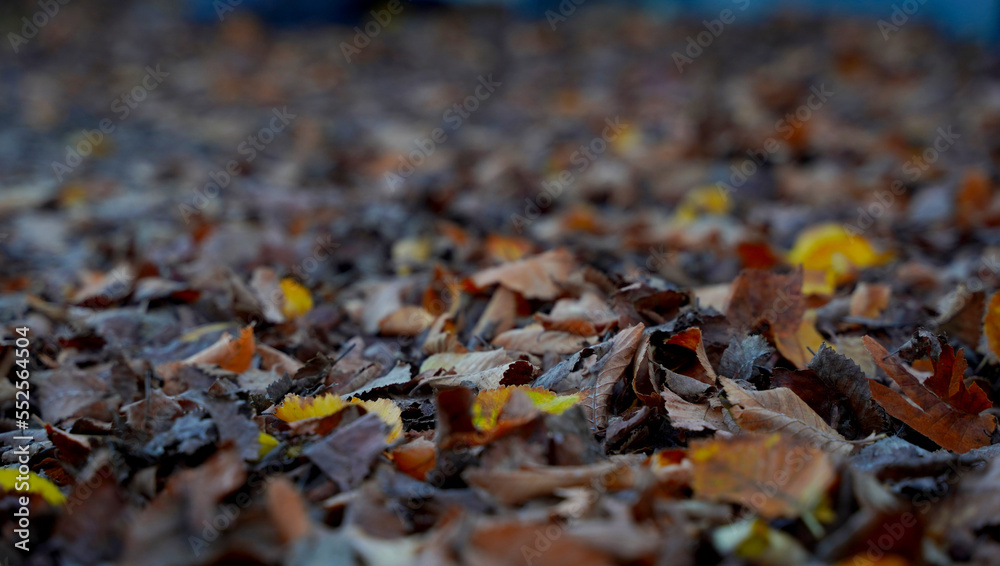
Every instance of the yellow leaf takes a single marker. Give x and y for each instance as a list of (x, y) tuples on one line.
[(297, 299), (386, 410), (410, 252), (295, 408), (711, 199), (830, 247), (756, 541), (490, 403), (36, 484), (267, 443)]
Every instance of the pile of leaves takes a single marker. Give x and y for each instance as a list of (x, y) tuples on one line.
[(649, 365)]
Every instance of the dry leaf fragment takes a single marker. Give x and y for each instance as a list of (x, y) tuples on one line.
[(587, 316), (230, 354), (408, 320), (415, 458), (799, 346), (514, 373), (500, 314), (468, 362), (694, 417), (277, 361), (928, 414), (536, 340), (536, 277), (781, 410), (991, 325), (618, 361), (869, 300), (761, 296), (948, 383), (840, 373)]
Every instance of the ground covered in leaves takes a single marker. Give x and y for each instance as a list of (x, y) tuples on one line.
[(495, 293)]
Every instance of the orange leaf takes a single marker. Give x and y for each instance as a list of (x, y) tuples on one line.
[(800, 346), (230, 354), (991, 324), (774, 475), (506, 248), (415, 458), (951, 428), (690, 339)]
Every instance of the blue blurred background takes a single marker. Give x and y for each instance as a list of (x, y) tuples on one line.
[(966, 19)]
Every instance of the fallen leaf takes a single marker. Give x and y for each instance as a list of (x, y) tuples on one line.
[(772, 475), (536, 340), (781, 410), (11, 480), (469, 362), (536, 277), (487, 408), (415, 458), (694, 417), (831, 248), (952, 428), (991, 325), (408, 320), (798, 347), (948, 383), (513, 373), (761, 296), (841, 374), (296, 299), (295, 408), (618, 361), (742, 356), (869, 300), (346, 455), (230, 354)]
